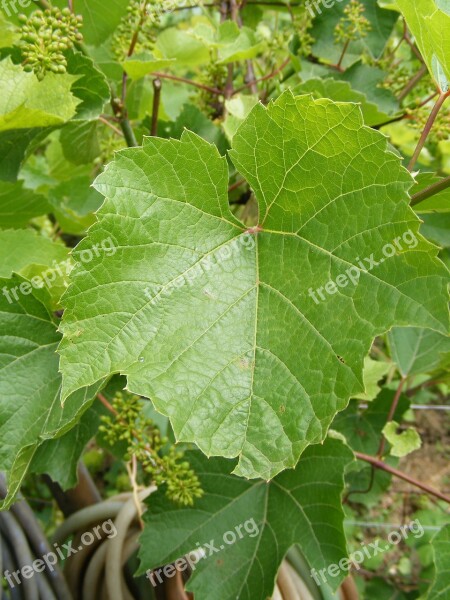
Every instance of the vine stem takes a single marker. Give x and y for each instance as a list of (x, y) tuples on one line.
[(412, 83), (391, 414), (430, 191), (428, 127), (265, 78), (341, 58), (207, 88), (157, 85), (379, 464)]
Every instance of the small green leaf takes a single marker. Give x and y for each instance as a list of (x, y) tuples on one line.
[(19, 205), (20, 248), (402, 443), (140, 65), (301, 506), (374, 370), (416, 350)]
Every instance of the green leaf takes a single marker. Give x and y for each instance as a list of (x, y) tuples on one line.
[(440, 589), (301, 506), (237, 109), (59, 458), (429, 22), (20, 248), (402, 443), (236, 43), (30, 384), (140, 65), (100, 20), (416, 350), (362, 427), (18, 205), (26, 102), (439, 202), (374, 370), (91, 86), (381, 20), (74, 203), (166, 309), (79, 141), (341, 91), (177, 44)]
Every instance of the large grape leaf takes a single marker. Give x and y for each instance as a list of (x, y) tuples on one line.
[(217, 324), (429, 21), (440, 588), (300, 506), (30, 384)]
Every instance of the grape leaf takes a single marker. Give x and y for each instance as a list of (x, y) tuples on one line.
[(402, 443), (341, 91), (382, 22), (30, 384), (374, 370), (430, 24), (91, 86), (440, 588), (20, 248), (439, 202), (26, 102), (140, 65), (301, 506), (166, 310), (18, 205), (100, 21), (417, 350)]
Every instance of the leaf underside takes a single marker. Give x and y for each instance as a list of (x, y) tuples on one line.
[(216, 323)]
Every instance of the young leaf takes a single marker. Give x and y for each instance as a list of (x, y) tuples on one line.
[(18, 205), (402, 443), (166, 309), (302, 506)]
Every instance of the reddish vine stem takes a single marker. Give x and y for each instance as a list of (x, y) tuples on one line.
[(391, 414), (412, 83), (379, 464), (428, 127), (110, 125), (207, 88), (341, 58), (265, 78)]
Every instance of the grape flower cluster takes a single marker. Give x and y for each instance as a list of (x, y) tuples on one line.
[(143, 439), (45, 36)]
